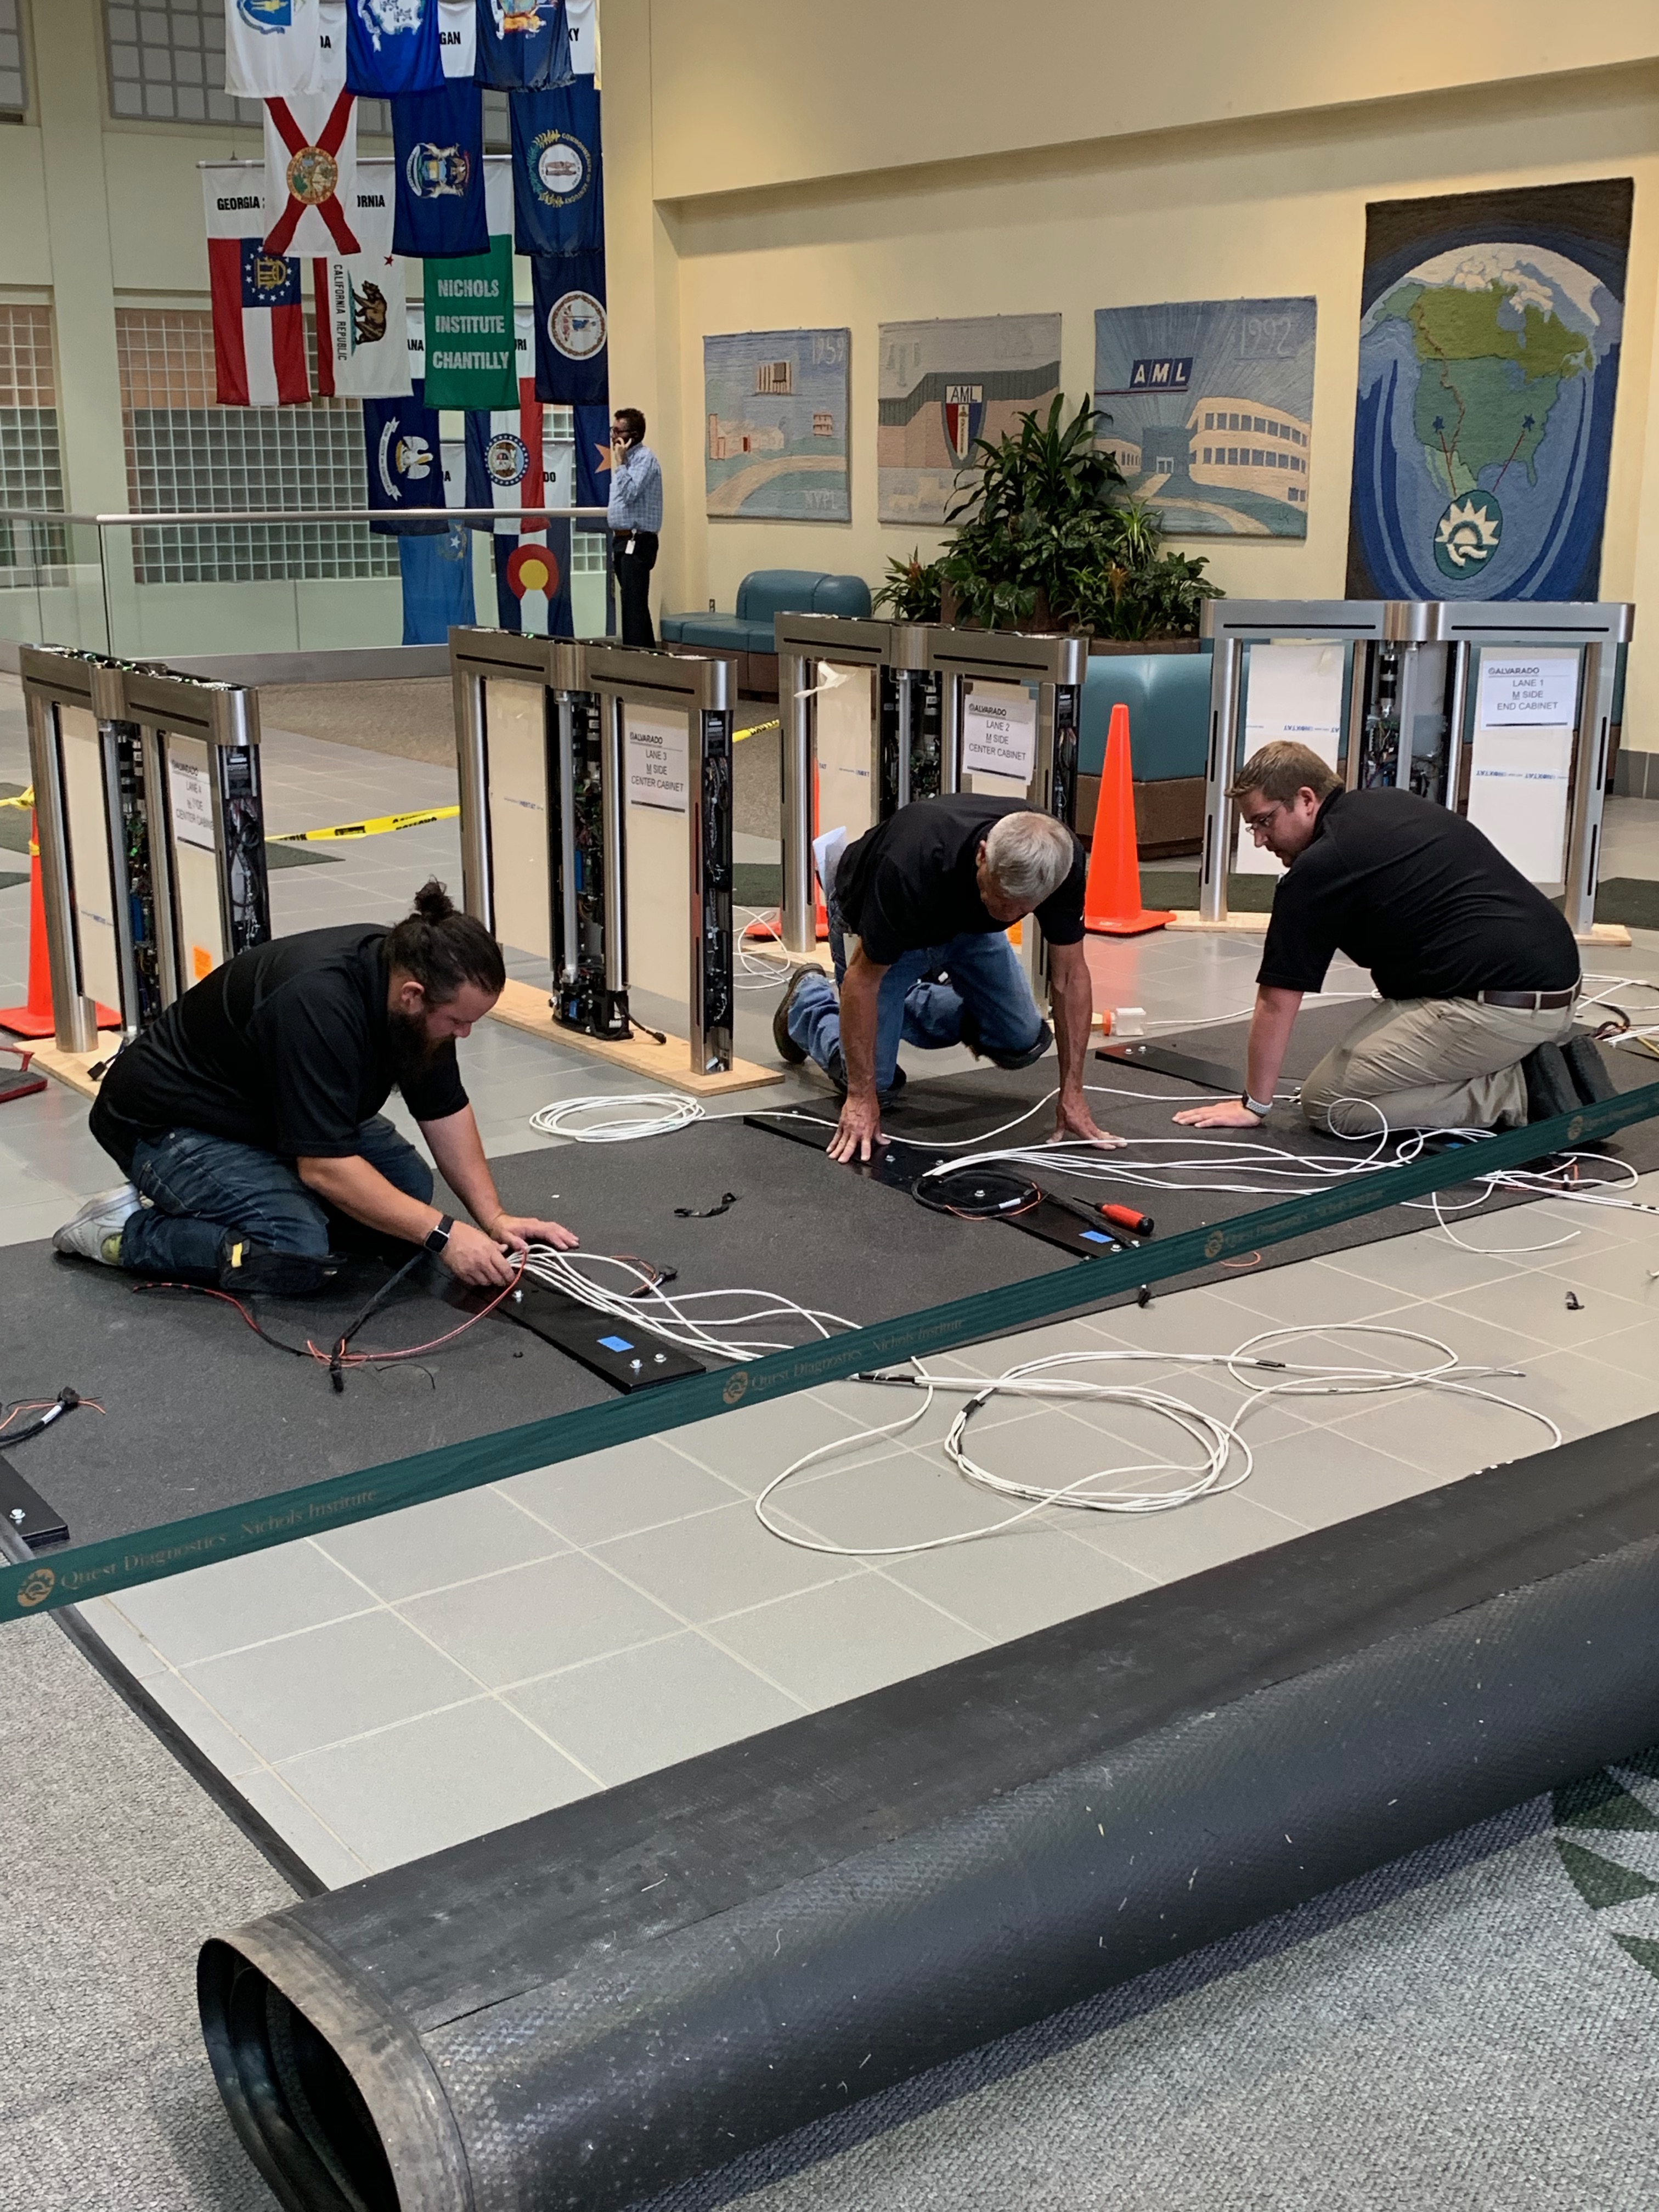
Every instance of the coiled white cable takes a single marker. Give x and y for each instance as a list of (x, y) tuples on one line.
[(1227, 1459), (617, 1118)]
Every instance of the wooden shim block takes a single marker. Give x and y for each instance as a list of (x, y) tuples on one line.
[(1604, 932), (522, 1006), (1241, 923), (73, 1068)]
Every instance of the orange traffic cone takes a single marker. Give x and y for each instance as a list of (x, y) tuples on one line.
[(37, 1019), (1111, 902), (770, 929)]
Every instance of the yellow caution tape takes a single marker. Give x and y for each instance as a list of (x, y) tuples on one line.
[(376, 828), (23, 798), (754, 729)]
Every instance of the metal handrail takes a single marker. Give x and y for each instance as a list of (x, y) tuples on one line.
[(315, 515)]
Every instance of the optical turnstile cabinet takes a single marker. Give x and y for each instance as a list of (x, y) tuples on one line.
[(151, 833)]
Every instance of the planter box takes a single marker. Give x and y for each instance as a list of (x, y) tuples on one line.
[(1169, 815)]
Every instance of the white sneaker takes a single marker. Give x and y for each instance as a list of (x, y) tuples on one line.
[(95, 1232)]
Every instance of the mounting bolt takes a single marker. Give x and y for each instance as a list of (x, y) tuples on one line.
[(636, 1364), (518, 1298), (18, 1515), (661, 1358)]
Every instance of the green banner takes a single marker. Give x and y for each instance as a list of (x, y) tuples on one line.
[(469, 329), (119, 1562)]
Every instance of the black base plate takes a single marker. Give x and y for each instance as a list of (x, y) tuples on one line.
[(900, 1166), (27, 1513), (19, 1082), (1208, 1074), (628, 1359)]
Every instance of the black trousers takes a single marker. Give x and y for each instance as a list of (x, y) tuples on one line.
[(634, 583)]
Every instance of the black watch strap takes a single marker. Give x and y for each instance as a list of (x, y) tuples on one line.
[(437, 1238)]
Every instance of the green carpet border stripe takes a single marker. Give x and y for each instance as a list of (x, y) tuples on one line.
[(226, 1533)]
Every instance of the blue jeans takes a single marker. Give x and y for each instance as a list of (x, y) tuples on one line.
[(203, 1189), (987, 983)]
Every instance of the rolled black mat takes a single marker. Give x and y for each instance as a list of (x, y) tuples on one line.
[(591, 2006)]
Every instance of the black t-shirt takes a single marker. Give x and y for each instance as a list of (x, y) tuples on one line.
[(1419, 896), (286, 1046), (910, 881)]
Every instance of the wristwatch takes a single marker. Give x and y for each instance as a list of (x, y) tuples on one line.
[(436, 1238), (1255, 1105)]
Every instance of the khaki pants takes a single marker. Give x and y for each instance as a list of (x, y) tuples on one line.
[(1432, 1064)]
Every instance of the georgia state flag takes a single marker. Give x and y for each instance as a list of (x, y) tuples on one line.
[(258, 321)]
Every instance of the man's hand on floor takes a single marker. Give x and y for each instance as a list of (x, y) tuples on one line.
[(858, 1128), (1224, 1114), (1074, 1120)]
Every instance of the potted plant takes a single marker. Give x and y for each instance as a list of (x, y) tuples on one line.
[(1045, 536), (912, 591)]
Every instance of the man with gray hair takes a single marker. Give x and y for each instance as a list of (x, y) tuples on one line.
[(927, 897)]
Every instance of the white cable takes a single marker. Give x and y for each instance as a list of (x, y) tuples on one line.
[(623, 1116), (642, 1303), (1225, 1459)]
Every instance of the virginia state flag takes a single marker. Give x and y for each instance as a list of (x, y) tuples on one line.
[(259, 325), (572, 358), (558, 181)]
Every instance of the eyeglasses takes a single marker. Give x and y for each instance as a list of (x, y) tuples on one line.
[(1258, 825)]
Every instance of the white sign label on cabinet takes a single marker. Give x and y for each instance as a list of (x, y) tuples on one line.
[(998, 730), (658, 761)]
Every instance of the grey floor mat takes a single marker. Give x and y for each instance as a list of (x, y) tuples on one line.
[(118, 1867)]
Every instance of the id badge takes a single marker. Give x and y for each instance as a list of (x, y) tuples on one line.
[(629, 548)]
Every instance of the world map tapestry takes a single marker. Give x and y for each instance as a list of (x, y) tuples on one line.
[(1489, 342)]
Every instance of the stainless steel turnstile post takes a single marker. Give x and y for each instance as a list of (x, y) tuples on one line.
[(1056, 667)]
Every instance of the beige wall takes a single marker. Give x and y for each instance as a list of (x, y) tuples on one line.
[(761, 175)]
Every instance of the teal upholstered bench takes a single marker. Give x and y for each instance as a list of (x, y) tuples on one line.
[(763, 594), (1168, 696)]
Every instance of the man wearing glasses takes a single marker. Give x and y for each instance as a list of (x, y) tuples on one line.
[(1478, 974)]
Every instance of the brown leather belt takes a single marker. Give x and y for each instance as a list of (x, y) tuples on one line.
[(1535, 1002)]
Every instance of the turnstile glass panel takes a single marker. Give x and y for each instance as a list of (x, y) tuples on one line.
[(1292, 689), (195, 856), (999, 741), (515, 739), (86, 824), (657, 792), (1526, 706), (847, 796)]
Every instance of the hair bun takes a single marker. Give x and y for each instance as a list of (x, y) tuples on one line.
[(433, 903)]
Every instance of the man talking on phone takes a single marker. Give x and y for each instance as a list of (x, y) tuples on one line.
[(635, 517)]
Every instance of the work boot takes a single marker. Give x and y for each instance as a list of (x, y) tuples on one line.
[(970, 1037), (1588, 1070), (1550, 1087), (248, 1268), (94, 1233), (788, 1051)]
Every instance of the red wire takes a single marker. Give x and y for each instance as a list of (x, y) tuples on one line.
[(315, 1351)]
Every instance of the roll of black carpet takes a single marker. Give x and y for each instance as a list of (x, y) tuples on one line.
[(594, 2005)]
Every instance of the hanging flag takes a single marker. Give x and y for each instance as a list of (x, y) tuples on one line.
[(258, 323), (311, 165), (458, 37), (391, 48), (403, 446), (363, 324), (504, 460), (509, 464), (593, 426), (439, 140), (532, 583), (437, 579), (581, 20), (558, 183), (571, 362), (469, 311), (330, 46), (270, 46), (522, 45)]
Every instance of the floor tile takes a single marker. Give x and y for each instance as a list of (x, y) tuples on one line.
[(1013, 1585), (242, 1602), (220, 1744), (638, 1711), (1636, 1350), (326, 1684), (1429, 1266), (449, 1540), (1443, 1432), (613, 1493), (717, 1564), (906, 1499), (1192, 1538), (1536, 1305), (1325, 1476), (332, 1861), (135, 1651), (428, 1783), (748, 1447), (1178, 1320), (1308, 1295), (827, 1644), (1626, 1269), (528, 1620)]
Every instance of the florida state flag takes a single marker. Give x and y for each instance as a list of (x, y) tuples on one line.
[(311, 165)]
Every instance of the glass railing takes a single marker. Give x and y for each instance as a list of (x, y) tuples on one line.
[(274, 580)]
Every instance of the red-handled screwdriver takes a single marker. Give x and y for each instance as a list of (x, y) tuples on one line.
[(1126, 1217)]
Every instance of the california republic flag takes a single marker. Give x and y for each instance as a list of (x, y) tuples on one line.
[(362, 320)]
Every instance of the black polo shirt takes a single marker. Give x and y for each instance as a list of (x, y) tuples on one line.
[(286, 1046), (1419, 896), (909, 883)]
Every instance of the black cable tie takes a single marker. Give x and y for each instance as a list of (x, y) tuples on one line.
[(706, 1213)]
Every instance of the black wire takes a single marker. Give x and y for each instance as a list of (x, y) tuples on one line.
[(336, 1374), (65, 1402), (995, 1192)]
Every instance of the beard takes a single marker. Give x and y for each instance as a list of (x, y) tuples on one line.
[(413, 1050)]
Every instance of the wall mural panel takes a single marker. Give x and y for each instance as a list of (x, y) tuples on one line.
[(774, 425), (943, 385)]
